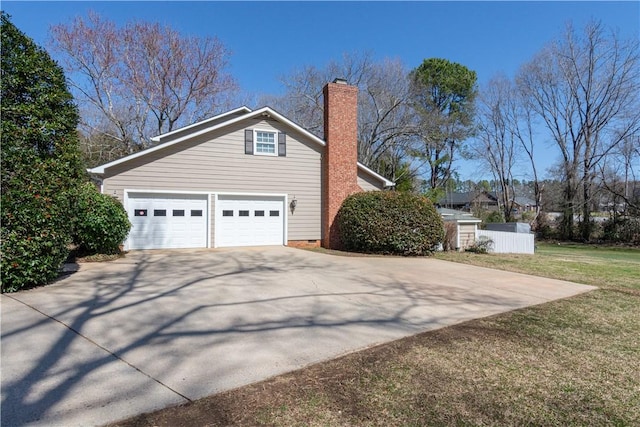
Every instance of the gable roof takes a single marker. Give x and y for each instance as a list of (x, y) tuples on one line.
[(467, 198), (216, 124), (387, 183), (243, 109), (455, 215), (524, 201)]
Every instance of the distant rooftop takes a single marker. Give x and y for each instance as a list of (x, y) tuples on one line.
[(467, 198)]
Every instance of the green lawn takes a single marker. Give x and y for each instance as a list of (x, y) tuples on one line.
[(569, 362), (606, 267)]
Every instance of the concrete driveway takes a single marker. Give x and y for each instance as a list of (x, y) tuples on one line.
[(160, 328)]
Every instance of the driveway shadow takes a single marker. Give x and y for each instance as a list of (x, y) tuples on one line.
[(167, 327)]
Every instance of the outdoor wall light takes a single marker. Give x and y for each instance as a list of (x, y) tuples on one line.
[(293, 204)]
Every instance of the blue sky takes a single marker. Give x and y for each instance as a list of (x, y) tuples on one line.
[(269, 39)]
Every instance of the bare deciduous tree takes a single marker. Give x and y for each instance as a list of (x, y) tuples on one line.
[(620, 176), (495, 143), (386, 125), (506, 141), (521, 123), (302, 100), (142, 79), (585, 88)]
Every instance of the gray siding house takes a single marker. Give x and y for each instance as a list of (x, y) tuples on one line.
[(242, 178)]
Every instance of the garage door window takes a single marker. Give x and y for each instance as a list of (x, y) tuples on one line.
[(196, 213), (274, 213), (141, 212), (178, 212), (258, 213), (159, 212), (243, 213), (227, 213)]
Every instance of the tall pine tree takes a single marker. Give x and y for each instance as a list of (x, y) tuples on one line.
[(41, 166)]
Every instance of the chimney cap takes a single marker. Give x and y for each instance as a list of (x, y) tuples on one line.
[(340, 80)]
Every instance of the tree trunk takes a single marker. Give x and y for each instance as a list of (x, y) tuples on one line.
[(566, 224), (586, 227)]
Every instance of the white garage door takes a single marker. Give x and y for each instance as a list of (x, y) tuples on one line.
[(167, 221), (249, 221)]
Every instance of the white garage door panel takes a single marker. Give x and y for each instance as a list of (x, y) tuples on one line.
[(167, 221), (249, 221)]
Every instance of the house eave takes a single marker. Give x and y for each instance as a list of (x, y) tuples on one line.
[(266, 111), (244, 108), (387, 183), (462, 220)]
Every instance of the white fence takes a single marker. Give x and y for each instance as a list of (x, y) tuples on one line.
[(508, 243)]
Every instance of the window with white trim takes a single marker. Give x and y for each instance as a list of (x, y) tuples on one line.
[(265, 143)]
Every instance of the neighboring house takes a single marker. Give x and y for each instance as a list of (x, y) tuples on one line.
[(465, 227), (469, 200), (523, 204), (243, 178)]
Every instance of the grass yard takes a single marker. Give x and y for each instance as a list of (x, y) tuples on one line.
[(605, 267), (568, 362)]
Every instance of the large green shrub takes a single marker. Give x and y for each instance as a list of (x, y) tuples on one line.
[(389, 223), (34, 236), (101, 223), (40, 162)]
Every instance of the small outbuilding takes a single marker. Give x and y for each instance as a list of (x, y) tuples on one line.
[(460, 228)]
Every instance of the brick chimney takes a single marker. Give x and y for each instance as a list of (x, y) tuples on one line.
[(339, 163)]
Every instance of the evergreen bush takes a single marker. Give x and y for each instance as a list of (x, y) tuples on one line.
[(40, 162), (101, 223), (388, 222)]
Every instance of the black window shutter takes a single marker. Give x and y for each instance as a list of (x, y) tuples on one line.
[(248, 141), (282, 144)]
